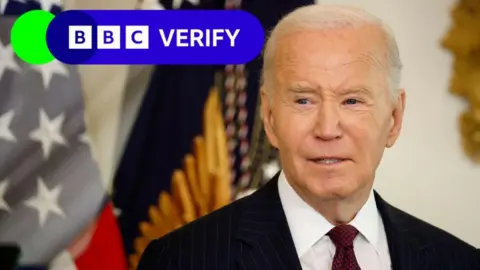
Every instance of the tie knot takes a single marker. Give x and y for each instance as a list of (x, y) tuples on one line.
[(343, 235)]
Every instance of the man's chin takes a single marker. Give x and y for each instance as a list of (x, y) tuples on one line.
[(337, 192)]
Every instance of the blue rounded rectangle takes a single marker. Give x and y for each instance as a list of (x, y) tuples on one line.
[(155, 37)]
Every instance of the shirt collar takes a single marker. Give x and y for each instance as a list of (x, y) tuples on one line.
[(368, 222), (307, 226)]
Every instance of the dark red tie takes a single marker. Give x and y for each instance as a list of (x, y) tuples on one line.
[(342, 236)]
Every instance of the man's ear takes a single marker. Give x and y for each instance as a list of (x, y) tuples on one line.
[(267, 116), (396, 119)]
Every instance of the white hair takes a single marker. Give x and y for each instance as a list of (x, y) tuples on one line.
[(323, 17)]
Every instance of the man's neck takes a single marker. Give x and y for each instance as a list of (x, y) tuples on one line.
[(337, 210)]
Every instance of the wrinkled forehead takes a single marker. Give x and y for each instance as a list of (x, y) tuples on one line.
[(338, 55)]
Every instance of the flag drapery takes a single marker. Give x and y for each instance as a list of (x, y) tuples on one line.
[(52, 201), (156, 173)]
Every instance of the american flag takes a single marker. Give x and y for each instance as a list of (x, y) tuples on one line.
[(50, 186)]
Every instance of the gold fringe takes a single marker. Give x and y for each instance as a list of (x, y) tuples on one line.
[(200, 187), (463, 41)]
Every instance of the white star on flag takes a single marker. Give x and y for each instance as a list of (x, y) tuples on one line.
[(48, 4), (7, 59), (270, 169), (3, 190), (5, 121), (49, 132), (84, 138), (48, 70), (45, 201)]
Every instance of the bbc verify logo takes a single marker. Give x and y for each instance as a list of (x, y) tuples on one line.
[(136, 37), (155, 37), (108, 37)]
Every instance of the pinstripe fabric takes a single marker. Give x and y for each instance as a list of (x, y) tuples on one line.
[(253, 234)]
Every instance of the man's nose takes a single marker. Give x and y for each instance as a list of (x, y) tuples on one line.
[(327, 126)]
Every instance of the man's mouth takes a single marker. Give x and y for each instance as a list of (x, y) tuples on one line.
[(328, 160)]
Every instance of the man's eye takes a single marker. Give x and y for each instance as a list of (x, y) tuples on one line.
[(301, 101), (351, 101)]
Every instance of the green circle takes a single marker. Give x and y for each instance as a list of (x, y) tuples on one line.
[(29, 37)]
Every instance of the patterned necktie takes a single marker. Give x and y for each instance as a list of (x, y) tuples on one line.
[(342, 236)]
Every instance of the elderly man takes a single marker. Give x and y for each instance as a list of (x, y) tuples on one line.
[(331, 103)]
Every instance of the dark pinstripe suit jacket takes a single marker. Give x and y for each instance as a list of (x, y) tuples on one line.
[(252, 234)]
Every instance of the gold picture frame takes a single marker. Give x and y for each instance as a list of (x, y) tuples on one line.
[(463, 41)]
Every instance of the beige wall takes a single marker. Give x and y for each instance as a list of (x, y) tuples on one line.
[(104, 90), (426, 173)]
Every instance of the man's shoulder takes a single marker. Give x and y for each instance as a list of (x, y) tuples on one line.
[(215, 222), (434, 240), (210, 232)]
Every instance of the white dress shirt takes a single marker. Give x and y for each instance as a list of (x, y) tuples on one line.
[(314, 247)]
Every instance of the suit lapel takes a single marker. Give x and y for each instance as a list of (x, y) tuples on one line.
[(407, 250), (266, 242)]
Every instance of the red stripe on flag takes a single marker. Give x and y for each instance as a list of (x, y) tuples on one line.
[(105, 250)]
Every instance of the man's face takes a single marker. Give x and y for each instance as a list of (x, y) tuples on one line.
[(331, 114)]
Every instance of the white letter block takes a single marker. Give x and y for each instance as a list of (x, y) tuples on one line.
[(108, 37), (136, 37), (79, 37)]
